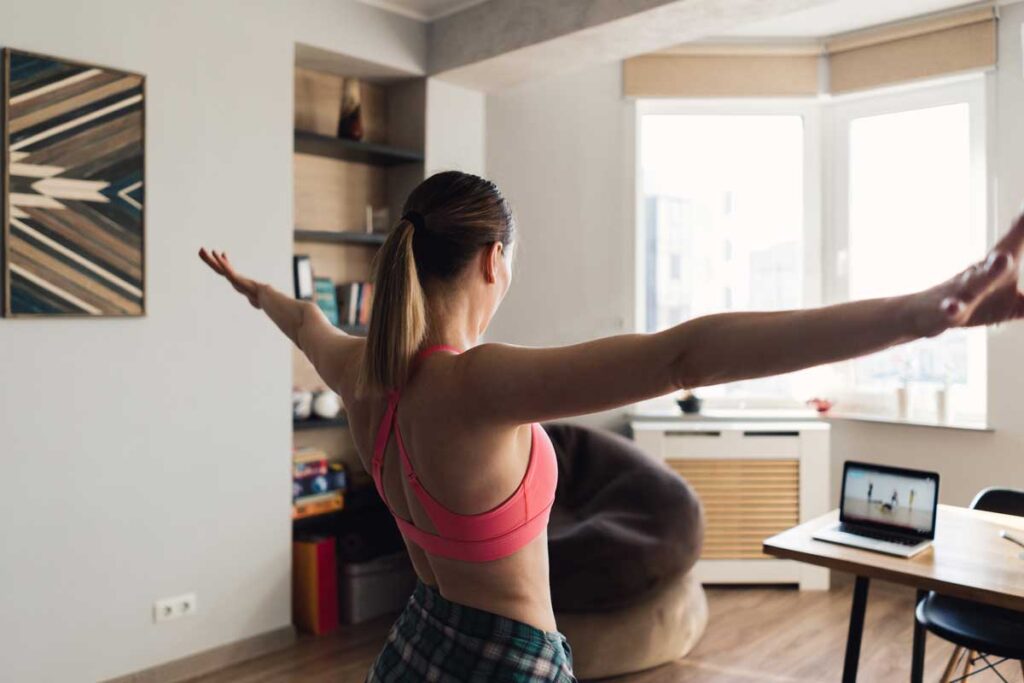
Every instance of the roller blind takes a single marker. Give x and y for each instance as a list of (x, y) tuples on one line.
[(724, 71), (907, 51)]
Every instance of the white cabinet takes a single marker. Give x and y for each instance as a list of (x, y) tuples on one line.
[(755, 478)]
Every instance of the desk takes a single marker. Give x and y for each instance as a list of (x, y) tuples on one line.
[(967, 560)]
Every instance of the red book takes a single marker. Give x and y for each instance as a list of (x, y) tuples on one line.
[(315, 585)]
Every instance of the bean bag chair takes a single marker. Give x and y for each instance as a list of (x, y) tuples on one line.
[(625, 531)]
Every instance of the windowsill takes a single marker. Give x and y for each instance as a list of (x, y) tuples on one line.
[(911, 422)]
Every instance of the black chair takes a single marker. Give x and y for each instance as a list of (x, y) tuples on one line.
[(983, 633)]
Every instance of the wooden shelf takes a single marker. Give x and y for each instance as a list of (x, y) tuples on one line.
[(320, 423), (364, 239), (371, 153)]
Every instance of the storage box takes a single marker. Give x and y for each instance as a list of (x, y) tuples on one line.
[(374, 588)]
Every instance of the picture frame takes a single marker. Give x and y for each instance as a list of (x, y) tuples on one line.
[(73, 143)]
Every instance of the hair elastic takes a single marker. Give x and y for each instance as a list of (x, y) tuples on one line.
[(416, 218)]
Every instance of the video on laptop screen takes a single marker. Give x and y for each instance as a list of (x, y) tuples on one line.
[(897, 500)]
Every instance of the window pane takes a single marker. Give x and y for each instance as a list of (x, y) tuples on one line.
[(912, 225), (723, 208), (910, 200)]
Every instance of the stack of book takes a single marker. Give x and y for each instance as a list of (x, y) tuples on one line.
[(317, 485), (355, 300)]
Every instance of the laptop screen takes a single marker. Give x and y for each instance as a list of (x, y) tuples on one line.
[(890, 497)]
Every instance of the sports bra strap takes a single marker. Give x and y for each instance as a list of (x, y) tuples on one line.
[(388, 422), (381, 444)]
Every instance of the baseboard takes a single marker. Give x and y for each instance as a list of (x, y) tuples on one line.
[(213, 659)]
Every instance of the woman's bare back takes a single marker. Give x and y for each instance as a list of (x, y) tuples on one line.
[(469, 471)]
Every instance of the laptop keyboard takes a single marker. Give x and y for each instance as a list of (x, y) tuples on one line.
[(879, 535)]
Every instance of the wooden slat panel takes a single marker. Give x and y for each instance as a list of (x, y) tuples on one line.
[(745, 501), (333, 195), (731, 446)]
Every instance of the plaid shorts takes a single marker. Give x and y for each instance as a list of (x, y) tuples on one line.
[(435, 639)]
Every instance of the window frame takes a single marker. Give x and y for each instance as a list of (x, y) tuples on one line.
[(810, 111), (826, 182), (840, 113)]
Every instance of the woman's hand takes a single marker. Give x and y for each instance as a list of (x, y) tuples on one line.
[(984, 294), (245, 286)]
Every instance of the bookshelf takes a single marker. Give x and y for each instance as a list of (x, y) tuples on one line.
[(349, 237), (372, 153), (335, 180), (319, 423)]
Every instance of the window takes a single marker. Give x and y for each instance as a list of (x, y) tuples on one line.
[(730, 206), (723, 220), (910, 212)]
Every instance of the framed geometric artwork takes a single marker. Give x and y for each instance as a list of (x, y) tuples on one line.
[(73, 157)]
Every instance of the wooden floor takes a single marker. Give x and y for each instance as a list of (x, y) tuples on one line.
[(754, 634)]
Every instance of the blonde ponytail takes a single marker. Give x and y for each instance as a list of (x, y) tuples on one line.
[(453, 216), (398, 322)]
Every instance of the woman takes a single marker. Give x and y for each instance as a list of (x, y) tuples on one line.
[(447, 426)]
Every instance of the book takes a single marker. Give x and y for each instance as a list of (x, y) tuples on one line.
[(307, 454), (315, 585), (326, 298), (348, 302), (308, 506), (303, 277), (314, 482)]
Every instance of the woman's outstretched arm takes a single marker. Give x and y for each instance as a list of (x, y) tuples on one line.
[(327, 347), (515, 384)]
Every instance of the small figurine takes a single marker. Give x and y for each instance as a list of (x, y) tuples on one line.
[(350, 126)]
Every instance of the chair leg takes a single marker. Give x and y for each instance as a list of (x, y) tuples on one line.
[(920, 638), (953, 659), (969, 663)]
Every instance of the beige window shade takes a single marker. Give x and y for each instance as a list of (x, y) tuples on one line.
[(906, 52), (923, 48), (727, 72)]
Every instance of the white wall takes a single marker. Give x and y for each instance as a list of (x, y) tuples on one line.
[(454, 128), (144, 458), (560, 151), (563, 150)]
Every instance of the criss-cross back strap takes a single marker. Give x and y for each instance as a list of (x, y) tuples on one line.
[(387, 423)]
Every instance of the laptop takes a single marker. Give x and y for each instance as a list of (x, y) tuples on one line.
[(885, 509)]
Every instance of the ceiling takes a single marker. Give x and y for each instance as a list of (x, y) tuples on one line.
[(423, 10), (841, 16)]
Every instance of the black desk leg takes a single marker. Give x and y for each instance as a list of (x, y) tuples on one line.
[(860, 603), (917, 663)]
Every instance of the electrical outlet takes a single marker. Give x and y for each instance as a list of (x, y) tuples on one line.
[(166, 609)]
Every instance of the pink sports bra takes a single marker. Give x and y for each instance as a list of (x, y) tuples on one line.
[(490, 535)]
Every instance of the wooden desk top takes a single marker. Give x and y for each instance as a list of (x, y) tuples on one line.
[(968, 558)]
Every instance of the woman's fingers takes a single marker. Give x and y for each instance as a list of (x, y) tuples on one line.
[(980, 279), (210, 261), (218, 261)]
